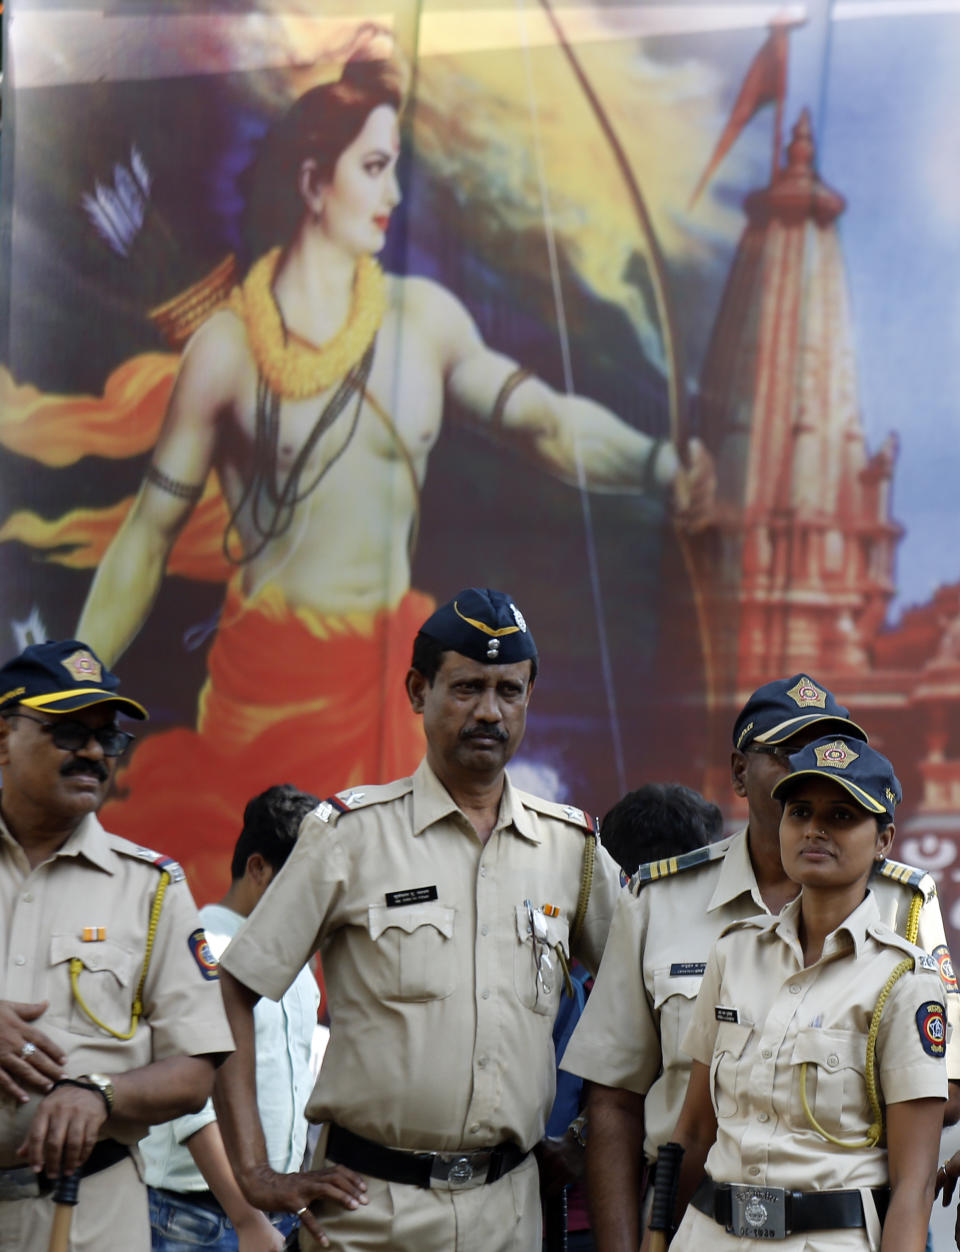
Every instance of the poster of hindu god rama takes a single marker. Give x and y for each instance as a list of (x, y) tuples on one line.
[(315, 314)]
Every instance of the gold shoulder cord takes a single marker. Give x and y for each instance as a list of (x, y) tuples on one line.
[(76, 965), (875, 1132), (583, 900)]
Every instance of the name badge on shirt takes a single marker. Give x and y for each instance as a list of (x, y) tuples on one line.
[(726, 1015), (688, 969), (412, 895)]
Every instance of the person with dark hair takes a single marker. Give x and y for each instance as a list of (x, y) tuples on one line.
[(447, 908), (628, 1043), (316, 392), (658, 820), (194, 1196), (816, 1094), (110, 1013)]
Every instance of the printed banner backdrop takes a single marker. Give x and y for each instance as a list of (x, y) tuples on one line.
[(722, 240)]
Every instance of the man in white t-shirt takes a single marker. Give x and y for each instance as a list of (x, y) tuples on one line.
[(194, 1197)]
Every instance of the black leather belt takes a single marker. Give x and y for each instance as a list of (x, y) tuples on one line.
[(802, 1210), (202, 1199), (437, 1170)]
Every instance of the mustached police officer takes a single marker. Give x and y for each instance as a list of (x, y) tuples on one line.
[(110, 1016), (446, 907)]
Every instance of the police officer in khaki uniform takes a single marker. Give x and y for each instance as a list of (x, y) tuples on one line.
[(818, 1042), (446, 907), (110, 1010), (628, 1042)]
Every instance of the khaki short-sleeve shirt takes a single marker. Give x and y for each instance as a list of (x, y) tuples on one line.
[(102, 886), (760, 1016), (641, 1005), (442, 1001)]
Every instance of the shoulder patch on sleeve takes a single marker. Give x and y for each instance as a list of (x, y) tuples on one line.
[(665, 868), (941, 955), (173, 868), (203, 955), (354, 798), (909, 876), (932, 1028)]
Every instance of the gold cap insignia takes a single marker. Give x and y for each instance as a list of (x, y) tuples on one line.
[(836, 755), (889, 794), (806, 694), (83, 667)]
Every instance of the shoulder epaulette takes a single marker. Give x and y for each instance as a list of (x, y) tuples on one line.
[(909, 876), (564, 812), (669, 865), (354, 798), (172, 867), (893, 939)]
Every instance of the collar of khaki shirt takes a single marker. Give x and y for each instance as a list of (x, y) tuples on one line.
[(432, 802), (864, 919), (736, 876), (89, 840)]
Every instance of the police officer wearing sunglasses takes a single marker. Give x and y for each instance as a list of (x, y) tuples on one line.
[(110, 1012)]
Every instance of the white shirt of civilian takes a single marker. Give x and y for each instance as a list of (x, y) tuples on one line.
[(284, 1032)]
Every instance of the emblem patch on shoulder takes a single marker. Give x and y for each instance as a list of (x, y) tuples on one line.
[(806, 694), (200, 951), (945, 967), (927, 962), (932, 1028), (575, 814), (836, 755), (82, 666)]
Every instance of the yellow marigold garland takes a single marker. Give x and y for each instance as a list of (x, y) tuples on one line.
[(293, 368)]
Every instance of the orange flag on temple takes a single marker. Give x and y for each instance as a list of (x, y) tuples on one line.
[(765, 83)]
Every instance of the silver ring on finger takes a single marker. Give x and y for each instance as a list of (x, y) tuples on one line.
[(300, 1212), (27, 1051)]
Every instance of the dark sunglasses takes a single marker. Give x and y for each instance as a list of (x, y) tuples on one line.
[(771, 749), (72, 736)]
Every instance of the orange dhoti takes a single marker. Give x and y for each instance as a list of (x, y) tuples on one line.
[(292, 696)]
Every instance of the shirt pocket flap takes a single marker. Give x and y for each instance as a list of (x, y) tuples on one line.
[(104, 955), (410, 917), (732, 1038), (831, 1050), (666, 985)]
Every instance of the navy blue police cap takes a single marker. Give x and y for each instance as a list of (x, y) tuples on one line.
[(861, 770), (483, 624), (61, 676), (777, 710)]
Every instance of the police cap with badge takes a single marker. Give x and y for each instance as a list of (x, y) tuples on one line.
[(483, 624), (778, 709), (61, 676), (865, 774)]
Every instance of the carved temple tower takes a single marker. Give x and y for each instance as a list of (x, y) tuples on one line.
[(798, 572)]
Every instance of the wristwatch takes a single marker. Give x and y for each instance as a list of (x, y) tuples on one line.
[(104, 1086)]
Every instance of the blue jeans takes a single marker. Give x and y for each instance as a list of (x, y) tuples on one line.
[(177, 1225)]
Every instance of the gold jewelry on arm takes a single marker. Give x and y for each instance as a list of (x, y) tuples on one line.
[(510, 384), (173, 487)]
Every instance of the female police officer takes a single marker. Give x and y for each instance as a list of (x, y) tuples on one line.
[(817, 1039)]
